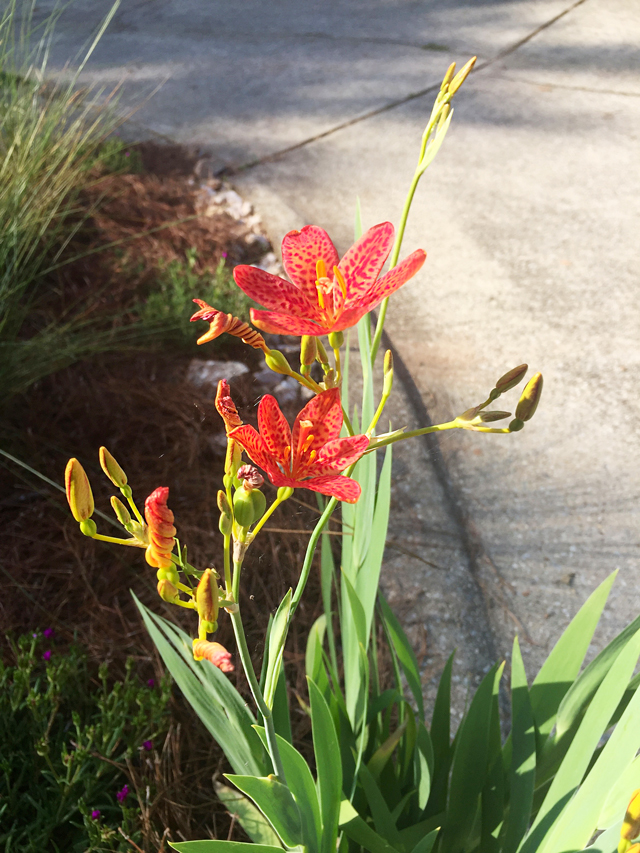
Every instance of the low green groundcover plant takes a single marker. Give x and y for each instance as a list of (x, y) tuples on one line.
[(67, 731), (385, 777)]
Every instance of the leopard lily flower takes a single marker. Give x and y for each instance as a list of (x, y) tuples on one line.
[(312, 455), (325, 295)]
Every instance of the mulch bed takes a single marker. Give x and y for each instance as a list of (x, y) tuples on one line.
[(163, 431)]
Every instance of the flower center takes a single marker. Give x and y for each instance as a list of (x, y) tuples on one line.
[(331, 292)]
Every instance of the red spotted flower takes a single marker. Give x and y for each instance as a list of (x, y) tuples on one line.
[(312, 455), (325, 294)]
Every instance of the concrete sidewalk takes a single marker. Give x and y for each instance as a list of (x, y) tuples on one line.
[(530, 220)]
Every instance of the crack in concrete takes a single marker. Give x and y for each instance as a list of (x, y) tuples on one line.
[(412, 96), (544, 84)]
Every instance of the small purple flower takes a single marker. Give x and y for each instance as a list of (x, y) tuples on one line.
[(121, 796), (46, 655), (95, 814), (151, 683), (148, 745), (127, 154), (35, 636), (224, 254), (48, 633)]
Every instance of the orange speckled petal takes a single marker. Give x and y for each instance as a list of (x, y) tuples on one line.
[(395, 278), (254, 446), (301, 250), (274, 429), (343, 488), (363, 262), (286, 324), (325, 413), (338, 454), (274, 292)]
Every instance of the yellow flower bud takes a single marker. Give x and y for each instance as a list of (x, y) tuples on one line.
[(207, 598), (111, 468), (449, 75), (631, 823), (511, 378), (530, 398), (167, 591), (388, 373), (461, 76), (78, 489), (322, 353)]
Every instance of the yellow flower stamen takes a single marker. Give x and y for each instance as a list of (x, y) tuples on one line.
[(320, 294), (313, 455), (307, 442), (341, 281), (287, 452), (321, 269)]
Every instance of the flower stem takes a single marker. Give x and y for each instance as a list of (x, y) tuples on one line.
[(266, 516), (227, 564), (455, 424), (135, 542), (249, 671)]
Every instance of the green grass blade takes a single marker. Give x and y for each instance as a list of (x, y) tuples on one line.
[(355, 828), (469, 768), (563, 664), (327, 750), (214, 846), (280, 710), (275, 801), (425, 845), (277, 638), (405, 653), (522, 765), (248, 815), (382, 819)]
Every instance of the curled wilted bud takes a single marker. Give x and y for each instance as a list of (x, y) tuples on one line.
[(388, 373), (226, 407), (631, 824), (250, 476), (213, 652), (122, 513), (248, 506), (78, 489), (530, 398), (308, 349), (167, 591), (207, 601), (161, 530), (111, 468), (489, 417), (461, 76), (276, 361), (219, 323), (511, 378)]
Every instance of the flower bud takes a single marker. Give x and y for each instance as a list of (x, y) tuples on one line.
[(207, 600), (511, 378), (276, 361), (322, 353), (308, 350), (489, 417), (111, 468), (226, 407), (284, 493), (388, 373), (449, 75), (167, 591), (213, 652), (631, 823), (530, 398), (78, 491), (88, 527), (469, 415), (336, 339), (122, 513), (461, 76)]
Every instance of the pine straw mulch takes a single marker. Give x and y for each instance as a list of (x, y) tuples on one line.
[(164, 432)]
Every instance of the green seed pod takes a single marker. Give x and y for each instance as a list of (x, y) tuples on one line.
[(516, 425), (169, 574), (243, 507), (336, 339), (259, 503)]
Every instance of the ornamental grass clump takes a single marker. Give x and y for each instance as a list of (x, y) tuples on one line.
[(383, 778)]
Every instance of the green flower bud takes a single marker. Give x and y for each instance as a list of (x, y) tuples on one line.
[(322, 353), (167, 591), (276, 361), (388, 373), (510, 379), (78, 489), (284, 493), (122, 513), (308, 350), (336, 339), (207, 598)]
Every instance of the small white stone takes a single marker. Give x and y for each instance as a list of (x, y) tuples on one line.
[(207, 374)]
